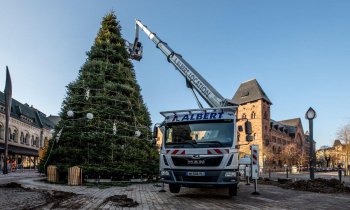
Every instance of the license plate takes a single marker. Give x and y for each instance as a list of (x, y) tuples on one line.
[(195, 173)]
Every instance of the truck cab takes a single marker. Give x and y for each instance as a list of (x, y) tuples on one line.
[(199, 149)]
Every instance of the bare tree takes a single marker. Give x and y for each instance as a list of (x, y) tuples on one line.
[(344, 137), (269, 157), (290, 154)]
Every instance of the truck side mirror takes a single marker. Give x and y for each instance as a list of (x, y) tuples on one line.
[(155, 134)]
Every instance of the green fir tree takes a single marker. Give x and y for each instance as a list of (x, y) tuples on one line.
[(116, 142)]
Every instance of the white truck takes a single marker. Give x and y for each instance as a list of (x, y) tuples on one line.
[(199, 146)]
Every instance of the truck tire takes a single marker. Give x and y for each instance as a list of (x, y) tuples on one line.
[(232, 191), (174, 188)]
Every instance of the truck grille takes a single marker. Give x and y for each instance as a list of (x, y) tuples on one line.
[(204, 161)]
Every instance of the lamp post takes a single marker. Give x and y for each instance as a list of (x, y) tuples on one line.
[(311, 115)]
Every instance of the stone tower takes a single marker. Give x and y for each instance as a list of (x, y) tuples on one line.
[(254, 105)]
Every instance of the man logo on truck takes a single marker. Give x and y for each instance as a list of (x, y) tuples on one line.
[(196, 162)]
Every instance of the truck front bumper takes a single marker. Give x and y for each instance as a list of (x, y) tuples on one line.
[(210, 178)]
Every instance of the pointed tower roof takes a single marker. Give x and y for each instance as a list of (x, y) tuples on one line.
[(250, 91)]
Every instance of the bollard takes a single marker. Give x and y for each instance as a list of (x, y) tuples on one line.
[(247, 180), (255, 188), (287, 172), (269, 173), (162, 190), (339, 174)]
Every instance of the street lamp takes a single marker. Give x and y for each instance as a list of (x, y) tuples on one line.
[(311, 115)]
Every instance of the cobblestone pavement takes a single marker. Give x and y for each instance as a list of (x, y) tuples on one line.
[(148, 197)]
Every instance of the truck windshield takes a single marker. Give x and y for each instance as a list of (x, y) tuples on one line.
[(199, 135)]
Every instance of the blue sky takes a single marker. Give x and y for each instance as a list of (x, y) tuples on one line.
[(298, 50)]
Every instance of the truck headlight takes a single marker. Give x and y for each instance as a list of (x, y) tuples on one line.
[(164, 173), (230, 174)]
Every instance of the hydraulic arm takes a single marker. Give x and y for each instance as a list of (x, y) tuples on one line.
[(193, 78)]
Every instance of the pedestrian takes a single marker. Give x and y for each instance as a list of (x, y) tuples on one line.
[(14, 165), (8, 165)]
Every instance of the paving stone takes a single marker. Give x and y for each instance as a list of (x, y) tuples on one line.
[(148, 197)]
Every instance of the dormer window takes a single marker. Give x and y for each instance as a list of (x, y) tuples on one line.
[(245, 94)]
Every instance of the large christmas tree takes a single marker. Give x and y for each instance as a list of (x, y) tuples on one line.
[(116, 141)]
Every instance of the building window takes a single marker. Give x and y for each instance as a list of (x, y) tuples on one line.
[(279, 150), (279, 141), (267, 142), (26, 139), (1, 131), (273, 149), (253, 115), (32, 142), (244, 116), (254, 136), (273, 139), (10, 135), (15, 136), (37, 141), (22, 138)]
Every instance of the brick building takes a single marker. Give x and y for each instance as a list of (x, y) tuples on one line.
[(29, 132), (276, 139)]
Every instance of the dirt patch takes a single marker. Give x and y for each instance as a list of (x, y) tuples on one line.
[(51, 199), (55, 199), (121, 200), (12, 185), (317, 185)]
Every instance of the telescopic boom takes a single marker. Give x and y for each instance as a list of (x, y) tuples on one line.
[(193, 78)]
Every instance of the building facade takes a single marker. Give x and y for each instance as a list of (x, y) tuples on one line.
[(333, 157), (29, 133), (280, 142)]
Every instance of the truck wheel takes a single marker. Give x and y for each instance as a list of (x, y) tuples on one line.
[(232, 191), (174, 188)]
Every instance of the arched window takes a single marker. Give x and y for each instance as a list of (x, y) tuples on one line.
[(2, 132), (273, 149), (22, 138), (10, 135), (254, 136), (26, 139), (37, 141), (32, 142), (253, 115), (15, 135)]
